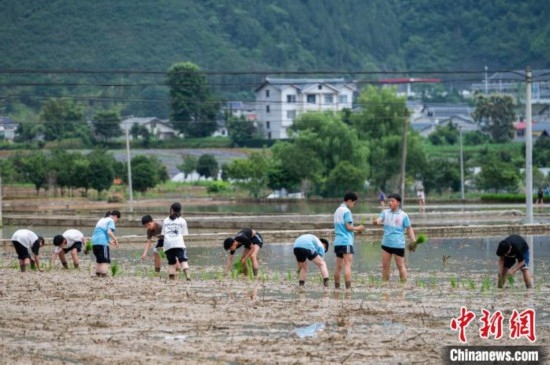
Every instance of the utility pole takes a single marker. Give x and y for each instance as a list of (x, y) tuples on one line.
[(461, 167), (129, 170), (528, 148), (486, 81), (403, 158)]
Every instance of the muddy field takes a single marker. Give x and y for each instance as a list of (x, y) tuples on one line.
[(73, 317)]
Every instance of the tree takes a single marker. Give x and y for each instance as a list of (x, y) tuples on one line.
[(251, 173), (445, 134), (495, 115), (194, 108), (344, 177), (60, 118), (145, 173), (188, 165), (497, 174), (107, 125), (33, 168), (240, 129), (103, 166), (207, 166)]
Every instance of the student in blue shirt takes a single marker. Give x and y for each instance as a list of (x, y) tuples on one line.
[(396, 222), (343, 239), (104, 234), (309, 247)]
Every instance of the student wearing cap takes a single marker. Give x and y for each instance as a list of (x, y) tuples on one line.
[(104, 234), (27, 245), (513, 253), (310, 247), (252, 242), (396, 223), (71, 241), (174, 227)]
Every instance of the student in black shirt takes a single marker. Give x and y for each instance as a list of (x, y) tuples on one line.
[(514, 256)]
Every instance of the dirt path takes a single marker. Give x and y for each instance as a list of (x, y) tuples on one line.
[(69, 316)]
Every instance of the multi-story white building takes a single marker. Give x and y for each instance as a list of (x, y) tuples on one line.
[(280, 101)]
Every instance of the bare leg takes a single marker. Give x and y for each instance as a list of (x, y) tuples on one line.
[(348, 260), (400, 261), (527, 278), (337, 270), (386, 262)]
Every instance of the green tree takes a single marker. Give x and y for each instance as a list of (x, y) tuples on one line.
[(207, 166), (102, 166), (33, 168), (106, 125), (497, 174), (194, 108), (251, 173), (60, 118), (495, 115), (145, 173), (241, 130), (188, 165), (344, 177), (445, 135)]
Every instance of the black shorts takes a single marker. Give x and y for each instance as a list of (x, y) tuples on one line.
[(341, 250), (102, 254), (22, 252), (257, 240), (303, 253), (176, 254), (160, 243), (394, 251), (77, 245)]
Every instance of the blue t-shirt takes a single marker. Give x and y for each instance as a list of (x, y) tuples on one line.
[(343, 237), (395, 224), (100, 236), (310, 242)]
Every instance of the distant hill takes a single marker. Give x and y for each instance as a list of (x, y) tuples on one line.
[(254, 37)]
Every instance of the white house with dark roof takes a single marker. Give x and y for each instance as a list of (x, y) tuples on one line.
[(426, 116), (280, 101), (7, 128), (158, 128)]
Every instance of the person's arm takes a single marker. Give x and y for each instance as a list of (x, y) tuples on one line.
[(37, 262), (114, 240), (147, 247), (52, 259), (228, 264), (412, 236), (517, 267), (351, 227)]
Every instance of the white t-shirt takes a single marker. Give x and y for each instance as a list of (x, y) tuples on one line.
[(25, 237), (72, 236), (173, 232)]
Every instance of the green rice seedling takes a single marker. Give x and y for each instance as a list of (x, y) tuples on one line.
[(420, 238), (454, 282), (421, 284), (14, 265), (276, 277), (162, 254), (511, 280), (115, 268), (219, 275), (234, 274), (289, 275), (471, 284), (485, 284), (88, 248)]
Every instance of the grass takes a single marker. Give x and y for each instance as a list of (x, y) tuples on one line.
[(88, 248)]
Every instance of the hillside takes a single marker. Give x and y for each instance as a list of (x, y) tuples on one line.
[(251, 38)]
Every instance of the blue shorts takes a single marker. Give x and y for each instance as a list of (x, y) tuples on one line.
[(511, 261), (340, 251)]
